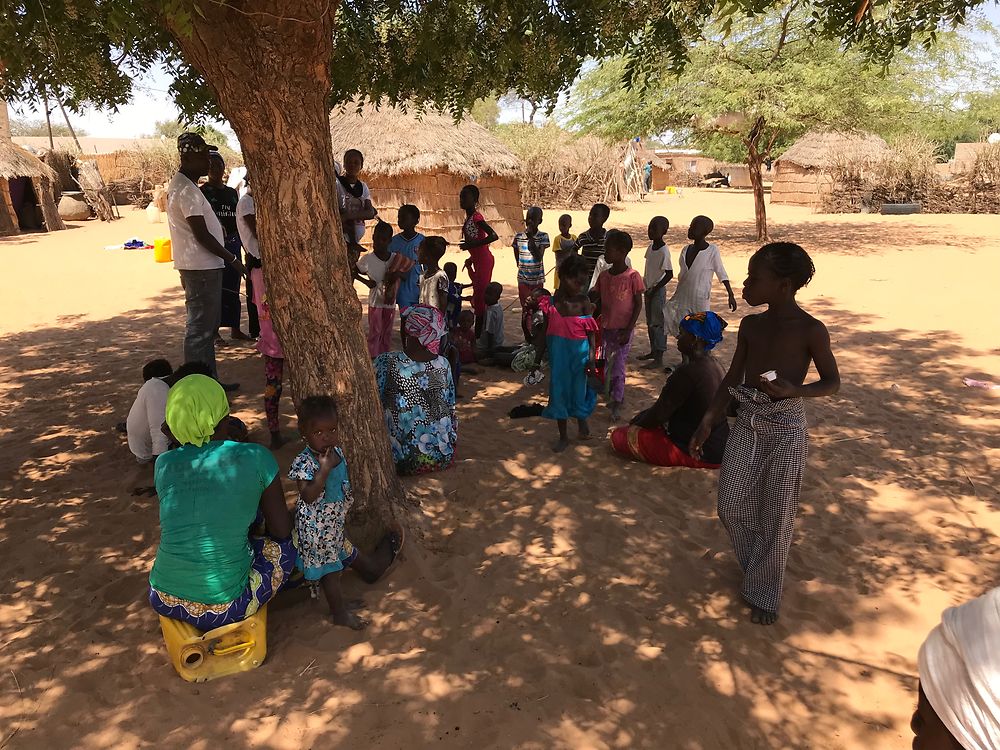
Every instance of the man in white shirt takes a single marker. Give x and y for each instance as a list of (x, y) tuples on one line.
[(246, 223), (197, 243)]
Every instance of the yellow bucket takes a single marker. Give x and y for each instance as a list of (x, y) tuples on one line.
[(161, 250)]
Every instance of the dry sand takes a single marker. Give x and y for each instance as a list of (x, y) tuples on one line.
[(569, 602)]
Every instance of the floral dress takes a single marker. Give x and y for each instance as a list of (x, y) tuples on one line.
[(419, 403), (319, 526)]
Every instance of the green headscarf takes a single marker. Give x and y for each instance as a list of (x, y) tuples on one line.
[(195, 406)]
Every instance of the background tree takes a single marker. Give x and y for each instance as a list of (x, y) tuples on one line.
[(273, 69), (747, 92), (20, 126), (170, 129), (486, 112)]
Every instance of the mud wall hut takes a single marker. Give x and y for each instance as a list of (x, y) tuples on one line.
[(27, 196), (801, 174), (425, 159)]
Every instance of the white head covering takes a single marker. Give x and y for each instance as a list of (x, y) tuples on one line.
[(959, 667)]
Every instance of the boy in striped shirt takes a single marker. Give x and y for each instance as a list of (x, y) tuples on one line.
[(529, 251)]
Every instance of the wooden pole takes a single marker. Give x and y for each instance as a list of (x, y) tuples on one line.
[(70, 126), (48, 122)]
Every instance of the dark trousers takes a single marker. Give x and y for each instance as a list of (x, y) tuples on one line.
[(253, 322)]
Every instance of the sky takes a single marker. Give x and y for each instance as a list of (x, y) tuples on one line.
[(152, 102)]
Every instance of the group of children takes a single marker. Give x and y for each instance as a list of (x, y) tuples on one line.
[(585, 330)]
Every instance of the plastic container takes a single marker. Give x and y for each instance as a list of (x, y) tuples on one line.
[(153, 214), (200, 657), (161, 250)]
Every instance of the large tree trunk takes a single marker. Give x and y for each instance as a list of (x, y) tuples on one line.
[(755, 160), (271, 78)]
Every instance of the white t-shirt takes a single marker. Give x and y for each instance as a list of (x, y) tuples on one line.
[(185, 199), (602, 266), (145, 438), (374, 268), (246, 207), (657, 264), (343, 195)]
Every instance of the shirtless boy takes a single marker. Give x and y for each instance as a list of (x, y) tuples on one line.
[(762, 466)]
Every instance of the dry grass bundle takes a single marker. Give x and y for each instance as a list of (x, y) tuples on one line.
[(559, 170), (865, 179), (908, 173)]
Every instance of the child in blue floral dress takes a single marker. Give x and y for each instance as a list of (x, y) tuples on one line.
[(325, 497)]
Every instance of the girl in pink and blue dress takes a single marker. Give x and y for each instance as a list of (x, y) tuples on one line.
[(569, 340)]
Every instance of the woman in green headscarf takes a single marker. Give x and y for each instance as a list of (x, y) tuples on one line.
[(209, 571)]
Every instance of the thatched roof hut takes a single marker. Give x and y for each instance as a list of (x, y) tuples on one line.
[(26, 191), (426, 159), (801, 173)]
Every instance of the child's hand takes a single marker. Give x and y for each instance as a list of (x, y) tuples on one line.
[(779, 388), (732, 303), (328, 460), (468, 261)]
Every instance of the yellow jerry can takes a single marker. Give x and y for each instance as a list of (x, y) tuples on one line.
[(199, 657)]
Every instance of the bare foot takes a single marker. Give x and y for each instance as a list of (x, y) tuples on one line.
[(616, 415), (655, 364), (760, 616), (561, 445), (583, 430), (349, 620), (353, 604), (584, 435)]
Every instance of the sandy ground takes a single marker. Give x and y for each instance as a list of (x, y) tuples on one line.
[(571, 602)]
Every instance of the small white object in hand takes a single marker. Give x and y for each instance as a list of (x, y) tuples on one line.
[(770, 375)]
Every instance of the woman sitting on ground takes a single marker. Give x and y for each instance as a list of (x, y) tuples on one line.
[(209, 571), (958, 703), (660, 435), (418, 395)]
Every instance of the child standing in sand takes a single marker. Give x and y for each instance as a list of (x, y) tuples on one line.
[(382, 283), (619, 291), (765, 454), (591, 242), (325, 496), (529, 251), (697, 264), (476, 238), (565, 246), (657, 275), (568, 339), (434, 281)]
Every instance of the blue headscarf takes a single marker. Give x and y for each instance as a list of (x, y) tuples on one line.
[(705, 325)]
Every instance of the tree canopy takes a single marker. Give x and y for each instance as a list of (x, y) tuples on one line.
[(448, 53)]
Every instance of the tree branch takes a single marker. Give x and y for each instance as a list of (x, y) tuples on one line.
[(784, 32)]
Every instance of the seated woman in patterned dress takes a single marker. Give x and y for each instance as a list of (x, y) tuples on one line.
[(418, 395), (209, 570), (660, 434)]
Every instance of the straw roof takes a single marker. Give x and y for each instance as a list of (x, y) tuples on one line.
[(396, 142), (815, 148), (16, 162)]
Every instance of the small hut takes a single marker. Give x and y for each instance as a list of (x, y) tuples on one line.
[(425, 159), (27, 198), (801, 174)]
